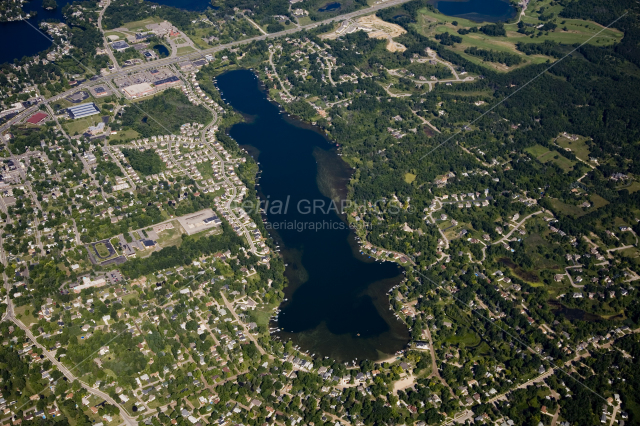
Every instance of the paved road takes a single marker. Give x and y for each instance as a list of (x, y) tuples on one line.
[(244, 328), (106, 42), (276, 72), (197, 55), (518, 225), (128, 420)]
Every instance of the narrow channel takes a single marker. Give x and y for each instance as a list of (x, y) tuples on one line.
[(337, 298)]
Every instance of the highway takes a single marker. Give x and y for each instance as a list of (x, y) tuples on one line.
[(192, 56)]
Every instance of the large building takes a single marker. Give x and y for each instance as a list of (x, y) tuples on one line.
[(167, 82), (83, 110), (138, 90)]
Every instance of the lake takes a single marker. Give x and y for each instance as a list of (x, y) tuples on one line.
[(337, 298), (477, 10), (26, 40)]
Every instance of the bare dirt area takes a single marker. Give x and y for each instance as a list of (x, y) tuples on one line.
[(374, 27)]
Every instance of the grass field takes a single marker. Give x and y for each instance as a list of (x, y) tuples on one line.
[(631, 187), (567, 209), (561, 161), (597, 201), (537, 150), (121, 36), (577, 31), (102, 250), (76, 127), (170, 237), (184, 50), (205, 169), (142, 25), (409, 177), (21, 312), (579, 147), (544, 155), (126, 135)]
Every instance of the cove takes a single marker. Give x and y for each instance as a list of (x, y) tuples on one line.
[(477, 10), (21, 39), (337, 298)]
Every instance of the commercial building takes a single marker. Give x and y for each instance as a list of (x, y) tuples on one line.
[(88, 283), (199, 221), (37, 118), (120, 45), (83, 110), (167, 82), (138, 90)]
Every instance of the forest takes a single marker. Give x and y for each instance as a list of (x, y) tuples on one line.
[(147, 162), (163, 114), (123, 11), (190, 249), (490, 55)]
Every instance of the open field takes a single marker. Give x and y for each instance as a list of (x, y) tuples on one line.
[(126, 134), (102, 250), (409, 177), (78, 126), (121, 36), (375, 28), (142, 25), (578, 147), (184, 50), (568, 209), (544, 155), (170, 237), (577, 31)]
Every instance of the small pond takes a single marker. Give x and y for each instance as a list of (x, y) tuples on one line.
[(330, 7)]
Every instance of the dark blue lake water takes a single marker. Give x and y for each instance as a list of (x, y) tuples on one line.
[(21, 39), (337, 304), (162, 49), (330, 7), (477, 10)]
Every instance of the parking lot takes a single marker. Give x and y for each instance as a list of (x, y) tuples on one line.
[(114, 277)]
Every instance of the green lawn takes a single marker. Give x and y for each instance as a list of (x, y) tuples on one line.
[(76, 127), (409, 177), (205, 169), (578, 147), (537, 150), (567, 209), (184, 50), (544, 155), (120, 35), (142, 25), (21, 313), (561, 161), (126, 135), (631, 187), (102, 250), (597, 201)]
